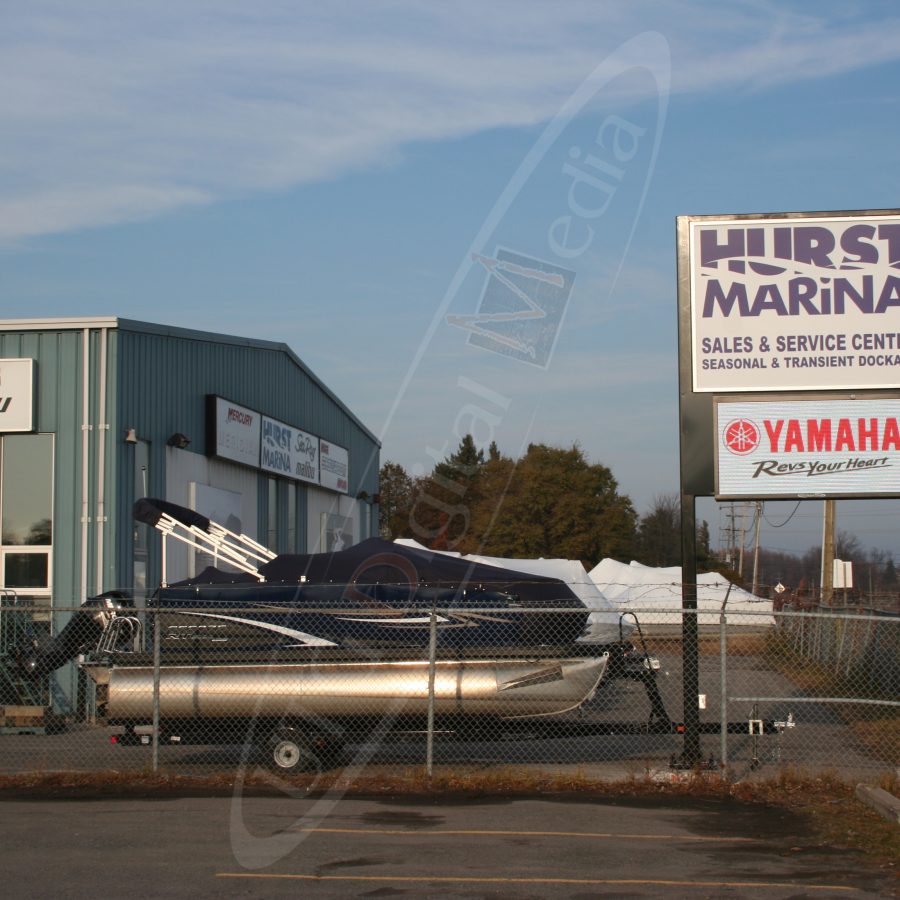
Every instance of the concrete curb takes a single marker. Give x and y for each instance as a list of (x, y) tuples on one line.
[(881, 801)]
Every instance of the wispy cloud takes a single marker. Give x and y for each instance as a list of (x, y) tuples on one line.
[(118, 112)]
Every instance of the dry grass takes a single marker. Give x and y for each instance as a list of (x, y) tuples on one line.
[(881, 736), (826, 802), (878, 732)]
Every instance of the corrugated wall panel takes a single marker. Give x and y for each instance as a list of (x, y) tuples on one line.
[(156, 381), (164, 376), (163, 381), (58, 359)]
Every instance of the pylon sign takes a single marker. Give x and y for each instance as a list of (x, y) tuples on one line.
[(806, 304), (803, 303), (773, 447)]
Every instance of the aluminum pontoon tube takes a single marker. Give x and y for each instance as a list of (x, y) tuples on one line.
[(504, 688)]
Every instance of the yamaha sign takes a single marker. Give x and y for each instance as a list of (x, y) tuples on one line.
[(807, 448)]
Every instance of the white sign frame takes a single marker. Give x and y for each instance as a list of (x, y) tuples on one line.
[(799, 302), (804, 448)]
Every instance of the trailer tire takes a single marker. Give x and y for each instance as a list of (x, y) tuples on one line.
[(290, 751)]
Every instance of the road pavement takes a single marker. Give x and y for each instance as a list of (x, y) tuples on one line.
[(291, 844)]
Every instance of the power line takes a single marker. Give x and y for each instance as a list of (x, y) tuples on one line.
[(788, 519)]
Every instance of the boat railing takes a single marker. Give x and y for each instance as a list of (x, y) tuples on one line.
[(124, 633)]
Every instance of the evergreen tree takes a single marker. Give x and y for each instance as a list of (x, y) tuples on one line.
[(441, 512), (704, 553), (551, 503), (397, 490), (659, 532), (889, 578)]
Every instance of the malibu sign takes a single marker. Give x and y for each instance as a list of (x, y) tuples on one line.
[(795, 303), (808, 448)]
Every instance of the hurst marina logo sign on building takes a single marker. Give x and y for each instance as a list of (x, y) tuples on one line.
[(246, 436), (795, 303)]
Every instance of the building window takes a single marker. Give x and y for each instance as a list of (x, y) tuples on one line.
[(26, 517)]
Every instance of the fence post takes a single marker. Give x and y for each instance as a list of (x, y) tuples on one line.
[(156, 660), (723, 686), (432, 659)]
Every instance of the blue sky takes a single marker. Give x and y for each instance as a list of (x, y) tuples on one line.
[(323, 174)]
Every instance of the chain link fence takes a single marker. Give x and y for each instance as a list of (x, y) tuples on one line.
[(196, 691)]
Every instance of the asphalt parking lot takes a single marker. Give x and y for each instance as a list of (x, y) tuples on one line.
[(337, 847)]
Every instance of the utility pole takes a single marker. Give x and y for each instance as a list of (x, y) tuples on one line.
[(828, 553), (743, 538), (727, 536), (756, 547)]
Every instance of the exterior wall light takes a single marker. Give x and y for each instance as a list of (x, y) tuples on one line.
[(178, 440)]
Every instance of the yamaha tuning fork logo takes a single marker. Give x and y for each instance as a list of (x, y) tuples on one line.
[(741, 436)]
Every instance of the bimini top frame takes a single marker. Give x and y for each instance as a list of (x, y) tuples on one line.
[(195, 530)]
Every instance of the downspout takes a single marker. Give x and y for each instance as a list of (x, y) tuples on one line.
[(103, 427), (85, 451)]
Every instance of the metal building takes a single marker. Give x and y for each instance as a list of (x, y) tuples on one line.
[(98, 412)]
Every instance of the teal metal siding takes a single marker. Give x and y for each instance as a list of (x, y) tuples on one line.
[(163, 377), (163, 382), (58, 411), (156, 380)]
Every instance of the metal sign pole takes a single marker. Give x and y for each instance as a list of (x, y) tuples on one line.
[(690, 656), (156, 678)]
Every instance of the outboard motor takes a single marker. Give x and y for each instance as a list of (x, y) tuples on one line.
[(82, 632)]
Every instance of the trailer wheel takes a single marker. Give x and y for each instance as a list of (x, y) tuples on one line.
[(289, 751)]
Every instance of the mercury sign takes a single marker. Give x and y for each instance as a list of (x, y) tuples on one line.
[(795, 302), (16, 395), (236, 431), (808, 448)]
